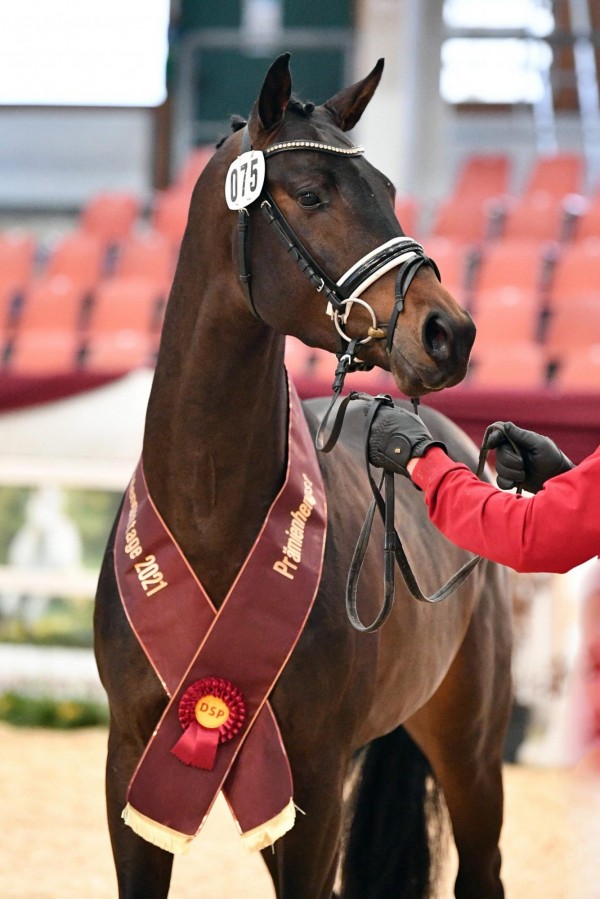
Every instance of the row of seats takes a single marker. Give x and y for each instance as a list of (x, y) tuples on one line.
[(551, 274), (94, 299), (57, 325), (48, 354), (526, 263), (84, 259), (105, 284), (551, 206), (513, 366), (111, 219)]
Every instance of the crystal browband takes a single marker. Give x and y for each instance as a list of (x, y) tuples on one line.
[(312, 145)]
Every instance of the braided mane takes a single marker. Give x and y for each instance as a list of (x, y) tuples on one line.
[(238, 122)]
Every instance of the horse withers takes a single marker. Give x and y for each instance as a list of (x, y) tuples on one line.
[(422, 703)]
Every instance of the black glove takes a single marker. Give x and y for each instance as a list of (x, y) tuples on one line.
[(396, 437), (538, 458)]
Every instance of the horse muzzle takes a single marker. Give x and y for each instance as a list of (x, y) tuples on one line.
[(434, 354), (448, 339)]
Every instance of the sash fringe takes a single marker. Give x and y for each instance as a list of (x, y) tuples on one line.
[(179, 844), (266, 834), (159, 834)]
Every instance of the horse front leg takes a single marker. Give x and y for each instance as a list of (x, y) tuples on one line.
[(304, 862), (136, 702), (143, 870)]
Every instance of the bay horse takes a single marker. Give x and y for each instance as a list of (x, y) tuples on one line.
[(422, 703)]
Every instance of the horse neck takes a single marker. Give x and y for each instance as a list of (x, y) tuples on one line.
[(215, 439)]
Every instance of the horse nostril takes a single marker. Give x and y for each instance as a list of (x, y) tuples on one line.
[(437, 337)]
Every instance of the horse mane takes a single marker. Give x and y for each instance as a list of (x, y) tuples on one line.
[(296, 105)]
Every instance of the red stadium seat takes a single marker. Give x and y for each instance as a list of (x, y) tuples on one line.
[(580, 371), (54, 303), (466, 220), (470, 212), (407, 212), (539, 216), (44, 352), (46, 336), (511, 366), (126, 304), (587, 223), (504, 315), (17, 257), (576, 275), (512, 263), (111, 216), (558, 174), (573, 326), (456, 262), (483, 176), (146, 255), (170, 213), (8, 307), (119, 352), (79, 256)]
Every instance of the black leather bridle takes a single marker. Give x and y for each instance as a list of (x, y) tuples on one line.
[(408, 256), (400, 252)]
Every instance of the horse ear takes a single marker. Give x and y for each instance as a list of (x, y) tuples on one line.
[(269, 109), (348, 105)]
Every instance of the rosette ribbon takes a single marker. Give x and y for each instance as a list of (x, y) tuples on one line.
[(211, 711)]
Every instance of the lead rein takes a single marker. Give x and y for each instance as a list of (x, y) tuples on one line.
[(385, 505)]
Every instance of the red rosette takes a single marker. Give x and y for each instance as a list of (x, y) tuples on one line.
[(211, 711)]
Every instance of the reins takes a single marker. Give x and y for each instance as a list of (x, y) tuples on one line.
[(384, 503)]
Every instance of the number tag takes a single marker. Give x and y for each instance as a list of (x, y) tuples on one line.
[(245, 179)]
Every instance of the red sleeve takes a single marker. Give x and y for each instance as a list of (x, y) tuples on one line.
[(553, 531)]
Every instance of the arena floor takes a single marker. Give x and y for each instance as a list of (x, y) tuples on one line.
[(55, 844)]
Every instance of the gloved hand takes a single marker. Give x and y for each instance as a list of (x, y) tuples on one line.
[(396, 437), (538, 458)]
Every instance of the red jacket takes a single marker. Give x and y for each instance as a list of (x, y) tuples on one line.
[(553, 531)]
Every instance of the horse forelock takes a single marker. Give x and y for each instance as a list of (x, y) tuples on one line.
[(295, 106)]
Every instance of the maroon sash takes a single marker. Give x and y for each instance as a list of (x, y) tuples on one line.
[(218, 731)]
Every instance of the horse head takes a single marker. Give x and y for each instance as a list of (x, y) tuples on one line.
[(336, 212)]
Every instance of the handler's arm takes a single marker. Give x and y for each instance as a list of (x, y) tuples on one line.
[(553, 531)]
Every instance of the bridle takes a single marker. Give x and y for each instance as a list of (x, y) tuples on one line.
[(408, 256), (399, 252)]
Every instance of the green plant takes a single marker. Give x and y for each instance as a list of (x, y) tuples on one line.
[(65, 622), (45, 711)]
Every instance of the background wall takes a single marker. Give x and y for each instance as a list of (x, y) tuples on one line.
[(56, 158)]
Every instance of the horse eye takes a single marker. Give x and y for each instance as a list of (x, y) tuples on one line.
[(309, 199)]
